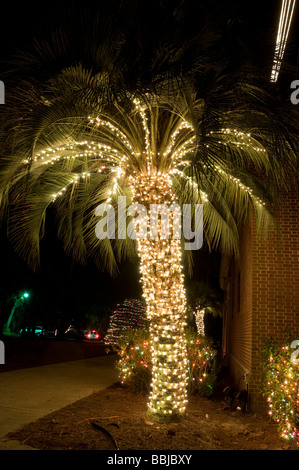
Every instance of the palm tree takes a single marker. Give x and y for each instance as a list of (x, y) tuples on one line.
[(83, 138), (203, 299)]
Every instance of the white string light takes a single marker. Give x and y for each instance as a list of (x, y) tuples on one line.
[(163, 289), (160, 259), (286, 15), (199, 319)]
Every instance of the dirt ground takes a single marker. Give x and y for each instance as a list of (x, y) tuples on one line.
[(114, 419)]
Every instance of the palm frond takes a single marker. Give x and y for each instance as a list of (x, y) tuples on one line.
[(73, 141)]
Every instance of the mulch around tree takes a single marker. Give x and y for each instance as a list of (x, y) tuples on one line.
[(114, 419)]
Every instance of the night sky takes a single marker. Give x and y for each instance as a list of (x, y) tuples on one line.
[(21, 21), (62, 284)]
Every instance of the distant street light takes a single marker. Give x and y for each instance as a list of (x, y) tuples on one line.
[(18, 301)]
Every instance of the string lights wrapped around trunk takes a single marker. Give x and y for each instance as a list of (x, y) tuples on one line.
[(199, 319), (164, 292)]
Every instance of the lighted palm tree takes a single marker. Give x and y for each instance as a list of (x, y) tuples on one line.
[(83, 139)]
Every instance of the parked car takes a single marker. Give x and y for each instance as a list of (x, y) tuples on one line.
[(32, 331), (93, 335)]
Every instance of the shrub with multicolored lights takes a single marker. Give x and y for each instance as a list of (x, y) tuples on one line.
[(280, 384), (202, 363), (134, 363)]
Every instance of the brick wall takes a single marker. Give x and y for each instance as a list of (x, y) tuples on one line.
[(275, 286), (240, 334), (268, 275)]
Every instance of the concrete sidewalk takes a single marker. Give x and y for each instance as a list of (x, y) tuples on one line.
[(29, 394)]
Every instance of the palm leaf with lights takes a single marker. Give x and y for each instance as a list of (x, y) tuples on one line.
[(86, 145)]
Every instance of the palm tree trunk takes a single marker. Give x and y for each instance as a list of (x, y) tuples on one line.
[(164, 292)]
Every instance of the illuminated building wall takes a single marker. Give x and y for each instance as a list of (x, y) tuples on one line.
[(261, 297)]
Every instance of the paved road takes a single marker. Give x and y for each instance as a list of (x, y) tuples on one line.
[(29, 394)]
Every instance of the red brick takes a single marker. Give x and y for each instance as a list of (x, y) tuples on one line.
[(269, 297)]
